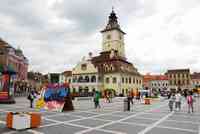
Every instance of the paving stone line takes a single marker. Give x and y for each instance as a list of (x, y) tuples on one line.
[(118, 121), (182, 129), (155, 124)]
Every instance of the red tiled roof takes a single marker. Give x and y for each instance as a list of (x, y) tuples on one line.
[(178, 70), (67, 73), (148, 77), (195, 76)]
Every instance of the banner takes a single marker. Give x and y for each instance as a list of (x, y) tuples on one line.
[(53, 97)]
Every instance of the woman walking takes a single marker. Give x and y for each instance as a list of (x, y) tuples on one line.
[(190, 101)]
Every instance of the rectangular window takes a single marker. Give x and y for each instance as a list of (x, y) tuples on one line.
[(114, 80), (133, 80), (129, 80), (122, 79), (107, 80)]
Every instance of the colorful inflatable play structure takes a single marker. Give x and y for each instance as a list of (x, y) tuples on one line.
[(55, 97)]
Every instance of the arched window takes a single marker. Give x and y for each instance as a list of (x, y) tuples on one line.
[(107, 80), (122, 79), (134, 80), (114, 80), (93, 79), (74, 79), (129, 80), (80, 79), (87, 79), (126, 80), (86, 90), (80, 89), (74, 90)]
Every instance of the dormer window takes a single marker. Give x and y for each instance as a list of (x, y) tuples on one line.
[(83, 67)]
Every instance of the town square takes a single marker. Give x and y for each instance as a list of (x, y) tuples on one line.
[(99, 67)]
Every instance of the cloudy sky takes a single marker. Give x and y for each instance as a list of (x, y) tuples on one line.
[(56, 34)]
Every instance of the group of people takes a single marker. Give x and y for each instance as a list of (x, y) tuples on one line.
[(108, 97), (175, 100)]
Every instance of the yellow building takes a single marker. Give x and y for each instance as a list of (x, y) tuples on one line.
[(110, 70), (179, 79)]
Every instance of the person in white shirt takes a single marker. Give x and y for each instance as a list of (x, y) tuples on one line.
[(178, 101)]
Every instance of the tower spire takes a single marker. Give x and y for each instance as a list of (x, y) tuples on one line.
[(112, 8), (112, 22)]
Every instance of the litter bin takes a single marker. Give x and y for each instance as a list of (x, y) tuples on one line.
[(126, 104)]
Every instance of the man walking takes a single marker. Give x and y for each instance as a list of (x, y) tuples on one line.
[(96, 99), (31, 98), (178, 101)]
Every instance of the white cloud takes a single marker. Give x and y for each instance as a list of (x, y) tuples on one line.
[(167, 39), (56, 34)]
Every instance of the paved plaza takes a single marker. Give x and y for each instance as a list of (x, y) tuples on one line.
[(110, 119)]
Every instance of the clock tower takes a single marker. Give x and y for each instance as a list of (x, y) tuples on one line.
[(113, 36)]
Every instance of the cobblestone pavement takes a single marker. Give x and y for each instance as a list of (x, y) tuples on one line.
[(110, 119)]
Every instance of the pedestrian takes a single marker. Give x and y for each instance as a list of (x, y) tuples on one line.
[(107, 98), (96, 100), (190, 101), (31, 98), (185, 94), (171, 102), (168, 95), (130, 101), (110, 96), (178, 99)]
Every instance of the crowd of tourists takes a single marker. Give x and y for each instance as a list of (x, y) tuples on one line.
[(176, 99)]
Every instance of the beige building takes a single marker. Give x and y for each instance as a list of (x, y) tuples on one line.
[(110, 70), (179, 79), (195, 80), (84, 77)]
